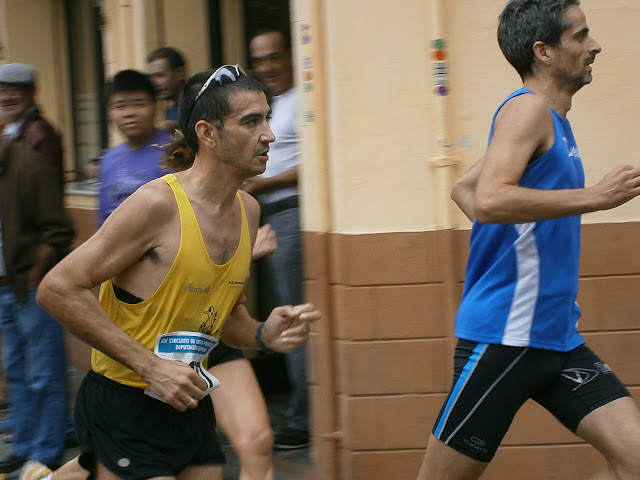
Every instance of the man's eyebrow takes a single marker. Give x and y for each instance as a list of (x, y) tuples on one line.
[(583, 30), (128, 101), (252, 116), (266, 55)]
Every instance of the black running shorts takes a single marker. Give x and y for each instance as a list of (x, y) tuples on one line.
[(492, 382), (136, 436), (223, 353)]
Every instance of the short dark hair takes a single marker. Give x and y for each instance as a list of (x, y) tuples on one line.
[(286, 37), (129, 81), (170, 54), (525, 22), (213, 106)]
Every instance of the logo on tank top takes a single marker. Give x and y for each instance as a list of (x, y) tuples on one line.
[(192, 289), (210, 316), (573, 151)]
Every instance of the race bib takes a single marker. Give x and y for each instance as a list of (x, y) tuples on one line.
[(187, 347)]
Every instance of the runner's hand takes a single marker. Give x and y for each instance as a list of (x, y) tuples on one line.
[(287, 328), (176, 383), (618, 186)]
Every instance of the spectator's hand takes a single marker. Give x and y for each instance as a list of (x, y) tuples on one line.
[(287, 328), (254, 185), (176, 383), (266, 242)]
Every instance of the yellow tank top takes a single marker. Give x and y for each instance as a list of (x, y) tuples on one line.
[(196, 295)]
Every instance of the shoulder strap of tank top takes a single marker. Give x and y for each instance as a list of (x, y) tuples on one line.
[(245, 222), (188, 221)]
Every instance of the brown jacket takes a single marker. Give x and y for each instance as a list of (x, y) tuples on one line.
[(36, 232), (37, 133)]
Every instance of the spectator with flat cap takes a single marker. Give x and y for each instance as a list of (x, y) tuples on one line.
[(26, 123), (34, 234)]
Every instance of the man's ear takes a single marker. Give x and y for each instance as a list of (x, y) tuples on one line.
[(542, 52), (207, 133)]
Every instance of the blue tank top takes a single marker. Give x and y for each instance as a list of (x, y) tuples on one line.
[(522, 280)]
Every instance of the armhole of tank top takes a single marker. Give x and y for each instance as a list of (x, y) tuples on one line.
[(555, 121), (517, 93)]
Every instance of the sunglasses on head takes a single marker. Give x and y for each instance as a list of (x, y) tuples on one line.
[(222, 76)]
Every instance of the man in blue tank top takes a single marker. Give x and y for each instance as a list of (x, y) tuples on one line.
[(517, 321)]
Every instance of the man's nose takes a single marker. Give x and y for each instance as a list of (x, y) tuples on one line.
[(269, 136)]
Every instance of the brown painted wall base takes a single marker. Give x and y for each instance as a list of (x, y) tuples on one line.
[(380, 360)]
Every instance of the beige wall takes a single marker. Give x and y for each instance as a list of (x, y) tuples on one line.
[(186, 27), (377, 126), (136, 27)]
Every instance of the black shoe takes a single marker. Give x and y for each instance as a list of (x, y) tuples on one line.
[(11, 463), (288, 439)]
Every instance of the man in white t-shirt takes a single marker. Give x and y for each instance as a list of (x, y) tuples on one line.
[(277, 191)]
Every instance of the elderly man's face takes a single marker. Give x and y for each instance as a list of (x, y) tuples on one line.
[(15, 99)]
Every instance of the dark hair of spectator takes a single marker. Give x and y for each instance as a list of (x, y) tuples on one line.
[(170, 54), (129, 81), (285, 35)]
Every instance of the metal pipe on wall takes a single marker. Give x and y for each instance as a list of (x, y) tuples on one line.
[(443, 160)]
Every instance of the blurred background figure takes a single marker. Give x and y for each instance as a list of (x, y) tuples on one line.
[(25, 121), (168, 71), (131, 106), (35, 233), (277, 192)]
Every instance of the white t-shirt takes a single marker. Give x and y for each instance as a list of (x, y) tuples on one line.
[(284, 153)]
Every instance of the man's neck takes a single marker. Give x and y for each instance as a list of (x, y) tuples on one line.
[(283, 90), (134, 143), (559, 99), (216, 184), (176, 96)]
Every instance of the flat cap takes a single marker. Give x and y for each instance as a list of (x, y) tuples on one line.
[(19, 73)]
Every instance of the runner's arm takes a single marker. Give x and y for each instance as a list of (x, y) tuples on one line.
[(66, 292), (524, 129), (286, 329), (464, 190)]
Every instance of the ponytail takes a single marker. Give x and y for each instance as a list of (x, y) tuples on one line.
[(177, 155)]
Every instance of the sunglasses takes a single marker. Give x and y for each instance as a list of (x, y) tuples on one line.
[(222, 76)]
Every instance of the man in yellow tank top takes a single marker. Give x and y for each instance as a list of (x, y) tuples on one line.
[(172, 259)]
